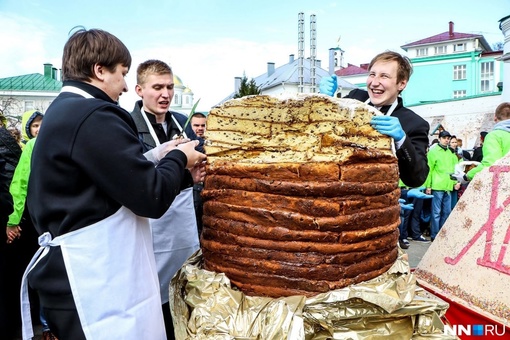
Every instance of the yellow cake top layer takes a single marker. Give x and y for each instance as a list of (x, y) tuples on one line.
[(298, 128)]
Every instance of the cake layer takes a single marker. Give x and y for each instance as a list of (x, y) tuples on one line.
[(300, 188), (305, 258), (373, 244), (269, 216), (313, 206), (370, 167)]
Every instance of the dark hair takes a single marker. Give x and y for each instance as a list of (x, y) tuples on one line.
[(86, 48), (199, 115), (503, 111)]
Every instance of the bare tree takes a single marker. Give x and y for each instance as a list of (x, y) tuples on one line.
[(498, 46), (10, 108)]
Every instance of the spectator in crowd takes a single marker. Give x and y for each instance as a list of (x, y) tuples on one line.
[(441, 163), (496, 143), (453, 145), (16, 133), (464, 153), (20, 222), (10, 150), (198, 123), (478, 151), (409, 200), (30, 124), (6, 313), (90, 194), (175, 234), (388, 75)]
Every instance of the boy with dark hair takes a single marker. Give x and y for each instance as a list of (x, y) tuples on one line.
[(90, 194)]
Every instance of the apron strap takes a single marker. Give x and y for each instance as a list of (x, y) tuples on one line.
[(26, 318), (151, 129)]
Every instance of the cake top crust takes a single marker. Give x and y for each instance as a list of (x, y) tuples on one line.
[(296, 128)]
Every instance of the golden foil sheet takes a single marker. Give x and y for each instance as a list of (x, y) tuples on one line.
[(204, 305)]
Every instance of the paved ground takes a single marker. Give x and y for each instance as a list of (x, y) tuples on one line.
[(416, 252)]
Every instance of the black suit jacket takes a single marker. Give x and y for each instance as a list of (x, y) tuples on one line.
[(412, 155), (477, 154)]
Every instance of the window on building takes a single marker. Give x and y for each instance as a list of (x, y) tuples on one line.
[(459, 47), (187, 100), (176, 99), (421, 52), (459, 93), (459, 72), (440, 49), (29, 105), (487, 77)]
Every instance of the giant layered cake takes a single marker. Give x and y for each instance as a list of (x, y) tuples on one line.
[(301, 195)]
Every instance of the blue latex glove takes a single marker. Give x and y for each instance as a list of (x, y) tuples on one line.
[(328, 85), (389, 126), (459, 177), (418, 193), (404, 206)]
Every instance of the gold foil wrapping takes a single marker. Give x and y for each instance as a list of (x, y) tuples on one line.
[(204, 305)]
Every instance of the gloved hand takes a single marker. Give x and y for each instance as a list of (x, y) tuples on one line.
[(194, 157), (198, 172), (418, 193), (460, 177), (404, 206), (389, 126), (156, 154), (328, 85)]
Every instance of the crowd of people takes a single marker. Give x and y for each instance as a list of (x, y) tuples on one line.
[(113, 208)]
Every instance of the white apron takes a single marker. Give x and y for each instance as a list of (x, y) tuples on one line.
[(175, 234), (175, 237), (112, 273)]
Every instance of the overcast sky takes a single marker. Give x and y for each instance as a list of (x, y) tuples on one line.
[(209, 43)]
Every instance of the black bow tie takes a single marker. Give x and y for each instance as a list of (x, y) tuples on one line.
[(383, 109)]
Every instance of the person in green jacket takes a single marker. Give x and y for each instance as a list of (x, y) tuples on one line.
[(30, 124), (439, 184), (18, 190), (496, 143)]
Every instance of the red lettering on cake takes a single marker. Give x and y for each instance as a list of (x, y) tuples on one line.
[(488, 229)]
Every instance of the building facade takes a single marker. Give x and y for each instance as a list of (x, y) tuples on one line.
[(36, 91), (452, 65), (33, 91)]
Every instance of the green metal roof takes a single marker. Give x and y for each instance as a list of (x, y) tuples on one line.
[(30, 82)]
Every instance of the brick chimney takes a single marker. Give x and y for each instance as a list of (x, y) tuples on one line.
[(450, 30)]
